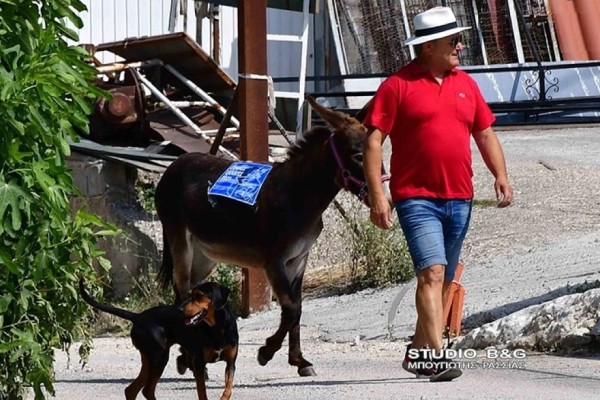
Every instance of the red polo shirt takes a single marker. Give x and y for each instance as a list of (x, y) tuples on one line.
[(430, 127)]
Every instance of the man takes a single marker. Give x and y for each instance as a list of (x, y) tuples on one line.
[(429, 109)]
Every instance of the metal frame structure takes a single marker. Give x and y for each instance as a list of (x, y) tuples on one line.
[(173, 106), (303, 40), (541, 90)]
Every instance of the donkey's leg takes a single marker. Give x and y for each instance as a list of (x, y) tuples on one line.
[(295, 358), (291, 308), (202, 266), (182, 253), (282, 289)]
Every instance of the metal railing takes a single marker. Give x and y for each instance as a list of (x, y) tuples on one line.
[(532, 90)]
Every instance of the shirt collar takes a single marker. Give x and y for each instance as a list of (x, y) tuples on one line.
[(415, 69)]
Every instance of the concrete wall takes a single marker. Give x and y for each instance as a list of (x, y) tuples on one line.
[(108, 190)]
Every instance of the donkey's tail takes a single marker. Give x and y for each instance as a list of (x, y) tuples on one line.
[(128, 315), (165, 274)]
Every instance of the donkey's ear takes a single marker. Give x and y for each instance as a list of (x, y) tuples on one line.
[(335, 119)]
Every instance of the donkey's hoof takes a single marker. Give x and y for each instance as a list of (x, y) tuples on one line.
[(307, 371), (262, 361), (262, 358)]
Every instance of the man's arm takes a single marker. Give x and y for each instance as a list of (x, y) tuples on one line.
[(493, 156), (381, 211)]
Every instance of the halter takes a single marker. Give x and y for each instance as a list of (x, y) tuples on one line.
[(350, 181)]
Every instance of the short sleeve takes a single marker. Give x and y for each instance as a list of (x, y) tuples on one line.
[(484, 117), (384, 106)]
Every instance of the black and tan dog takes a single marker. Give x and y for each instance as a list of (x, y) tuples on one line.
[(204, 326)]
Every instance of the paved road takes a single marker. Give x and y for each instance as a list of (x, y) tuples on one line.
[(540, 248), (367, 370)]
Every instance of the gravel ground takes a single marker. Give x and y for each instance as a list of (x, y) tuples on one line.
[(545, 245)]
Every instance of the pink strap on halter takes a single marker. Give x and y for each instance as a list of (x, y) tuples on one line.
[(350, 179)]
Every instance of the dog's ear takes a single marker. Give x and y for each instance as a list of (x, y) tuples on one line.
[(223, 297)]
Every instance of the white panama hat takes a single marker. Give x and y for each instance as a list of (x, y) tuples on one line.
[(435, 23)]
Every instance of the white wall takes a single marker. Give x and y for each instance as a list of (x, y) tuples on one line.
[(114, 20)]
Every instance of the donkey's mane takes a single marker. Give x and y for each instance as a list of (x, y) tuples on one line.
[(313, 137)]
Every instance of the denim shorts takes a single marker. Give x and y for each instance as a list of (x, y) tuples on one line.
[(434, 230)]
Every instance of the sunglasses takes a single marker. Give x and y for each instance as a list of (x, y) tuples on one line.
[(456, 40)]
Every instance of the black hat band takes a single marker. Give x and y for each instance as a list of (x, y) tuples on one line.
[(437, 29)]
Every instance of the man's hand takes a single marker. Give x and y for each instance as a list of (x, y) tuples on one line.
[(504, 192), (381, 211)]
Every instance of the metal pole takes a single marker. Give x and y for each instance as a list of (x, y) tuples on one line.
[(215, 17), (517, 34), (551, 24), (337, 38), (411, 49), (184, 118), (254, 126), (303, 57), (534, 50), (173, 16), (201, 93), (479, 33), (221, 132)]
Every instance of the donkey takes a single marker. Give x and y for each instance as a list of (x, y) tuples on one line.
[(276, 234)]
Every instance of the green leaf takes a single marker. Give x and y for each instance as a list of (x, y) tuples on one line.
[(18, 125), (7, 260), (41, 176), (46, 93), (9, 346), (5, 301), (104, 263), (41, 264), (70, 33), (10, 196)]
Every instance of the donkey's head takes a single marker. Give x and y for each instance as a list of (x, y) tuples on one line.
[(347, 144)]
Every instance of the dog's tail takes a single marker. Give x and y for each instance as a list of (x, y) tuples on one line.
[(128, 315)]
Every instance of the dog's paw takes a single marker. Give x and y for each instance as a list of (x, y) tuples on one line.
[(181, 365)]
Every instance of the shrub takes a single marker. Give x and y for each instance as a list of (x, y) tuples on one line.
[(378, 257), (229, 276), (45, 95)]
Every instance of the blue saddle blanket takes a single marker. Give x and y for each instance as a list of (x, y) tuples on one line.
[(241, 181)]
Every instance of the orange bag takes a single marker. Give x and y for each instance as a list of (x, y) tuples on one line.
[(454, 304)]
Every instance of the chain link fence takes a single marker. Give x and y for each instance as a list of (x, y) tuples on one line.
[(373, 32)]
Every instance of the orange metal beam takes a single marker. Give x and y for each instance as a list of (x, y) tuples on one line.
[(570, 39), (588, 14)]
